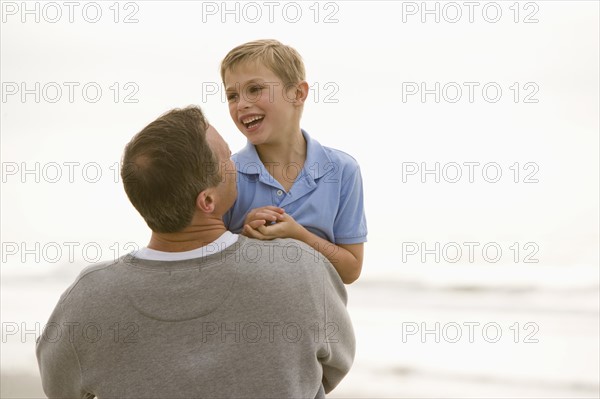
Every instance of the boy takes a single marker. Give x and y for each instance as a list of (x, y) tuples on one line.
[(289, 185)]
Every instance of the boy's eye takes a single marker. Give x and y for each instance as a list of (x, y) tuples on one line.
[(255, 89), (231, 97)]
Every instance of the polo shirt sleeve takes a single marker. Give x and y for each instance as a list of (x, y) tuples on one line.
[(350, 225)]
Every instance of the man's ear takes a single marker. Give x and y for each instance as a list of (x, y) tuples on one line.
[(301, 92), (205, 201)]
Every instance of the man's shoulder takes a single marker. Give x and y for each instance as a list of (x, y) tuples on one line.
[(282, 248), (280, 251), (288, 268), (286, 256), (100, 269), (91, 277)]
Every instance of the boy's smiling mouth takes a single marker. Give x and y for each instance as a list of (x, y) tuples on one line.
[(252, 121)]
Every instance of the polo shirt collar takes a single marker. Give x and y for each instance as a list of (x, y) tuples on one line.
[(316, 166)]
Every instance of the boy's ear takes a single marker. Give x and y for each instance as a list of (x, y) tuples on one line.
[(301, 93), (205, 201)]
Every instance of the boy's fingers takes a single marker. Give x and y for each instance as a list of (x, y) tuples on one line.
[(256, 223), (245, 230), (266, 215), (271, 213), (284, 216), (272, 216), (264, 232), (250, 232), (274, 208)]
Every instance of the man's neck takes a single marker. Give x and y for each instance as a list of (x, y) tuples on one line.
[(190, 238)]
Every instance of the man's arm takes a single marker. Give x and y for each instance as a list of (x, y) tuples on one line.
[(338, 334), (57, 360)]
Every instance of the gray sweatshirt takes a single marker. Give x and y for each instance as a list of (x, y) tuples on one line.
[(259, 319)]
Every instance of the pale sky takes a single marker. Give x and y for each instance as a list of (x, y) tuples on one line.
[(517, 94)]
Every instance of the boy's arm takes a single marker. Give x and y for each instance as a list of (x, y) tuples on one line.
[(347, 259)]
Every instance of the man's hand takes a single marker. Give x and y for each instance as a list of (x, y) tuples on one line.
[(285, 227), (261, 216)]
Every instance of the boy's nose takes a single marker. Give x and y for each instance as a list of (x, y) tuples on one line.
[(243, 103)]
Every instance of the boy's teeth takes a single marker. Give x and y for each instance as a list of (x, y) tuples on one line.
[(251, 119)]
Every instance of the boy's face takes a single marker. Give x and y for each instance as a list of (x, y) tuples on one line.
[(263, 109)]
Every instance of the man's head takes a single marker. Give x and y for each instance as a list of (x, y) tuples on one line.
[(176, 166), (282, 60)]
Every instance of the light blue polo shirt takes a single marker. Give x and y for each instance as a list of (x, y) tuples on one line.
[(326, 197)]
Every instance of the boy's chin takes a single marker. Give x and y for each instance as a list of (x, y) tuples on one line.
[(255, 138)]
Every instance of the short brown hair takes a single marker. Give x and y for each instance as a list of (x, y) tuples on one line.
[(282, 60), (166, 166)]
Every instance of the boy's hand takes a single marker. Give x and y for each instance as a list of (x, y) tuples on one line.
[(286, 227), (261, 216)]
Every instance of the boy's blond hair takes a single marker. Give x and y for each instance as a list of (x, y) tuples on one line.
[(282, 60)]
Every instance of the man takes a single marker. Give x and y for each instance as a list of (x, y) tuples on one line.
[(199, 312)]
